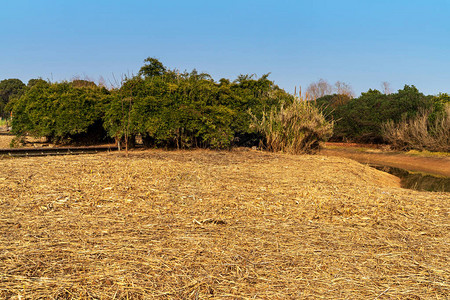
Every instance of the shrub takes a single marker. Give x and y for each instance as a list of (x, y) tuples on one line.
[(9, 89), (360, 119), (188, 110), (60, 112), (170, 110), (421, 132), (296, 128)]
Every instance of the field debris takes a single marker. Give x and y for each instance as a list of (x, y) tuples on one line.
[(206, 224), (5, 141)]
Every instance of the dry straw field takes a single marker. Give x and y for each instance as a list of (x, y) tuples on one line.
[(217, 225), (5, 141)]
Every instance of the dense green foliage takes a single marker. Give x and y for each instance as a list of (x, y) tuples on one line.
[(59, 111), (153, 67), (360, 119), (34, 81), (168, 108), (440, 106), (169, 112), (164, 107), (9, 89), (184, 110), (428, 130)]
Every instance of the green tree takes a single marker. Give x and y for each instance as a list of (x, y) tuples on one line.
[(153, 67), (60, 112), (190, 109), (171, 110), (257, 96), (9, 89), (360, 119), (440, 102), (35, 81)]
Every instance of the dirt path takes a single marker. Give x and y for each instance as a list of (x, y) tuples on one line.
[(431, 165)]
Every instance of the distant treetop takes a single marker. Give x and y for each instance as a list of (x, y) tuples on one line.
[(153, 67)]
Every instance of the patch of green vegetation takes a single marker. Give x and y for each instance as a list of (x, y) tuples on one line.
[(417, 180), (166, 108), (360, 119), (371, 150), (425, 153), (3, 122)]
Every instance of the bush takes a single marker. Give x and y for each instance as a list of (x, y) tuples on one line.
[(170, 110), (421, 132), (9, 90), (296, 128), (361, 119), (60, 112), (188, 110)]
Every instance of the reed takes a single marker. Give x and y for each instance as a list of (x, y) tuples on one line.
[(420, 133), (296, 128)]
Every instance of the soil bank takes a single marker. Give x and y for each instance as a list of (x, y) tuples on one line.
[(431, 165)]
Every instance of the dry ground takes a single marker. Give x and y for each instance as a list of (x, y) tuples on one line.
[(431, 165), (5, 141), (203, 224)]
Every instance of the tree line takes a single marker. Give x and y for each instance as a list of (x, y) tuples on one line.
[(172, 109), (393, 118), (166, 108)]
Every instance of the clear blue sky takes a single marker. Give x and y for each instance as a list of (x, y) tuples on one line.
[(362, 43)]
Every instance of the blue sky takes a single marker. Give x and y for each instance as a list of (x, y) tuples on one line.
[(362, 43)]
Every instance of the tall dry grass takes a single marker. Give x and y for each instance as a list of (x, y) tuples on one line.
[(296, 128), (419, 133)]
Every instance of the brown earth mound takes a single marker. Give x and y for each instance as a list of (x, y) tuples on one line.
[(204, 224)]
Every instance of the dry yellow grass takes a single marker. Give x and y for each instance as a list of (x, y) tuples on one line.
[(30, 142), (5, 141), (203, 224)]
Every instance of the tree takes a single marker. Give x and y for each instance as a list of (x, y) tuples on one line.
[(344, 92), (360, 119), (343, 88), (330, 103), (35, 81), (81, 83), (190, 109), (9, 89), (319, 89), (60, 112), (153, 67)]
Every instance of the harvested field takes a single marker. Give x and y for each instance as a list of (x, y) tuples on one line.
[(204, 224), (5, 141)]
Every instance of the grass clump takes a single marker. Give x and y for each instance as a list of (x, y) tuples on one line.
[(421, 132), (426, 153), (296, 128)]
